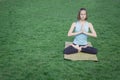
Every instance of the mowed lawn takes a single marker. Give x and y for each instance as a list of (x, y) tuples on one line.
[(33, 32)]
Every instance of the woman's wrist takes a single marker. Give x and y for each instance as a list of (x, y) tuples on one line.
[(80, 32), (85, 32)]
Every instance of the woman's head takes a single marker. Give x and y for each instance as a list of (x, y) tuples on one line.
[(82, 14)]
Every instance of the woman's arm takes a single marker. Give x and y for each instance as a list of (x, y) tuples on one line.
[(93, 32), (70, 32)]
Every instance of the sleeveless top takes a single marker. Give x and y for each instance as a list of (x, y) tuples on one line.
[(81, 39)]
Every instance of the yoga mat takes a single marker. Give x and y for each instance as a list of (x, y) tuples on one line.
[(80, 55)]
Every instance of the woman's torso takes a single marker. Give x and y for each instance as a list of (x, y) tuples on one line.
[(81, 39)]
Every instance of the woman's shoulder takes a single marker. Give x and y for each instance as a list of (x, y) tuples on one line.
[(89, 24), (74, 24)]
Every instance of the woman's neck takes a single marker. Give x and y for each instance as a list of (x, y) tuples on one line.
[(82, 21)]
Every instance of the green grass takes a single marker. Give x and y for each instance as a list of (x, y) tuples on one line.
[(33, 32)]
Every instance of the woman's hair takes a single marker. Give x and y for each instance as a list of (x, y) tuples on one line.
[(78, 16)]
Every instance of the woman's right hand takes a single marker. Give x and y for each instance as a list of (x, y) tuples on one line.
[(82, 29)]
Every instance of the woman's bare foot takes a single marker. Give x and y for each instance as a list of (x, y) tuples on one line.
[(77, 47)]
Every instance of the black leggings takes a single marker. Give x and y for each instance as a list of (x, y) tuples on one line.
[(71, 50)]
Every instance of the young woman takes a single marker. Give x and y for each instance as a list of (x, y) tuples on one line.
[(81, 30)]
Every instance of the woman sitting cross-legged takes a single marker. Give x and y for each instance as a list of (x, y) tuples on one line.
[(80, 30)]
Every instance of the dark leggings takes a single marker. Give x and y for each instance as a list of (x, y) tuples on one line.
[(71, 50)]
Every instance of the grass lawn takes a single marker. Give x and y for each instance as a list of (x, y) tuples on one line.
[(33, 32)]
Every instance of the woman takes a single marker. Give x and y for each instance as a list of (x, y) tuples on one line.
[(80, 30)]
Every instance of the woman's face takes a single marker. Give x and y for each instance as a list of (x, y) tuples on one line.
[(83, 15)]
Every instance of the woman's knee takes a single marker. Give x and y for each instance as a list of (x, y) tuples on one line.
[(90, 50), (65, 51), (94, 51), (70, 50)]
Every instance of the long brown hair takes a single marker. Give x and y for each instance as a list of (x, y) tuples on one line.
[(78, 16)]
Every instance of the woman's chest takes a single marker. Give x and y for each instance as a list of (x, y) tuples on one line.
[(80, 27)]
